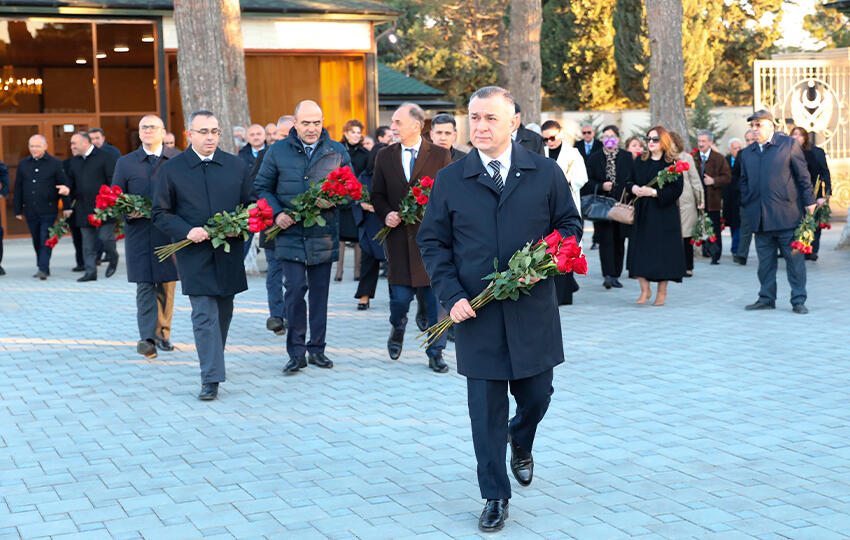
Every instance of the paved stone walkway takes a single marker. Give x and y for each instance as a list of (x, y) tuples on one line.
[(693, 420)]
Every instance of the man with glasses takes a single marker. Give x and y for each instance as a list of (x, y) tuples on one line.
[(288, 169), (588, 144), (135, 173), (188, 190), (776, 190)]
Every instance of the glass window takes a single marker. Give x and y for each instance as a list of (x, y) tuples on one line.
[(122, 132), (58, 53), (125, 67)]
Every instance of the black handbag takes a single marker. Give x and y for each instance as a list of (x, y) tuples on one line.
[(596, 207)]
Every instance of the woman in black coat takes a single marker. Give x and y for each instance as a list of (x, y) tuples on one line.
[(818, 169), (368, 225), (608, 173), (352, 136), (656, 252)]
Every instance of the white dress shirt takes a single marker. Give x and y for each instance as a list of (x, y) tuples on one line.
[(201, 156), (157, 152), (405, 156)]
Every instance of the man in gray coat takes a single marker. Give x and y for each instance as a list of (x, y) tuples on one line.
[(290, 165), (775, 188)]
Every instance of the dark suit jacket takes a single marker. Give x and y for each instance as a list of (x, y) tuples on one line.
[(85, 176), (111, 149), (247, 155), (467, 225), (389, 187), (597, 147), (775, 184), (35, 186), (457, 154), (816, 163), (529, 140), (136, 175), (187, 193), (732, 194), (717, 168)]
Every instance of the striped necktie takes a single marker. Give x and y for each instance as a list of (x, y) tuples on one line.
[(495, 167)]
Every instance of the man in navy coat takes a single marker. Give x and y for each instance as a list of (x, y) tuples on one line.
[(485, 206), (154, 280), (775, 191), (188, 190)]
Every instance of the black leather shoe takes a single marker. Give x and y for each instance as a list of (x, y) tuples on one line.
[(110, 270), (40, 275), (319, 360), (522, 464), (164, 345), (760, 305), (276, 325), (395, 343), (715, 262), (437, 364), (607, 283), (494, 515), (616, 283), (2, 272), (363, 306), (88, 277), (800, 308), (146, 349), (209, 391), (78, 268), (295, 364), (422, 319), (740, 260)]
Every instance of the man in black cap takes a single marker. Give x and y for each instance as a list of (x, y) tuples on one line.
[(776, 190)]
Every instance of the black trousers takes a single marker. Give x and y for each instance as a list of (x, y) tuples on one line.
[(611, 238), (300, 280), (211, 316), (77, 237), (39, 225), (370, 268), (91, 235), (689, 253), (488, 414), (714, 216)]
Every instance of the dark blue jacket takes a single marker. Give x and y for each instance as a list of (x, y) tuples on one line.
[(368, 223), (135, 174), (775, 184), (111, 149), (246, 154), (35, 186), (85, 176), (285, 173), (467, 225), (187, 193)]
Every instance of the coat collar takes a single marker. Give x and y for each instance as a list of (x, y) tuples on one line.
[(521, 161), (193, 159)]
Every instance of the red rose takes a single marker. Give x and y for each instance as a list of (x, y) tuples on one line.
[(695, 150), (427, 182), (671, 168), (116, 190), (692, 241), (422, 200), (417, 191), (104, 189), (699, 242), (686, 166), (120, 237), (570, 247), (327, 186), (253, 212), (268, 222), (93, 221), (565, 264), (712, 239), (553, 239), (580, 266)]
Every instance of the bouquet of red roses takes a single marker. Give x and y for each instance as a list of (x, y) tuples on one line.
[(670, 174), (254, 218), (804, 235), (112, 203), (548, 257), (822, 213), (57, 231), (340, 187), (412, 206), (703, 231)]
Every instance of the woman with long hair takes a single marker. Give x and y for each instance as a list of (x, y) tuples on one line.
[(656, 252), (691, 201)]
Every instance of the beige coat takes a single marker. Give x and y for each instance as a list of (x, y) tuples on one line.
[(692, 196)]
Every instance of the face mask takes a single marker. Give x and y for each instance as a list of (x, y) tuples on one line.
[(610, 142)]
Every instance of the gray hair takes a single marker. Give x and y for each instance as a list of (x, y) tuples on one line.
[(707, 133), (415, 112), (286, 118), (735, 140), (39, 136), (491, 91), (748, 132), (588, 124), (240, 128), (202, 112)]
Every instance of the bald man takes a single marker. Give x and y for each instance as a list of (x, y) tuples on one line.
[(256, 136), (37, 197), (289, 166)]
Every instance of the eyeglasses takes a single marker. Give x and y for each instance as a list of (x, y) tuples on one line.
[(149, 128), (587, 133), (652, 139), (204, 132), (553, 138)]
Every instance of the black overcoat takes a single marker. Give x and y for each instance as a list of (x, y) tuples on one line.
[(135, 174), (85, 176), (816, 163), (389, 187), (529, 140), (35, 186), (656, 251), (467, 225), (187, 193), (775, 184), (732, 194)]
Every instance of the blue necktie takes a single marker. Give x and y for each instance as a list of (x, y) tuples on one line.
[(412, 162), (309, 151)]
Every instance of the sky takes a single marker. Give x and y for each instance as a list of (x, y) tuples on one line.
[(793, 34)]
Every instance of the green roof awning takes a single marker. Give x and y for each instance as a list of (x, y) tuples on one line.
[(394, 83)]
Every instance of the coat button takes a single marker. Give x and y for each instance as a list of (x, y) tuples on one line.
[(306, 178), (36, 170), (517, 174)]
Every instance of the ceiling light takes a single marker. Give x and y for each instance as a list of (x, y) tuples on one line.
[(80, 60), (121, 48), (100, 55), (147, 39)]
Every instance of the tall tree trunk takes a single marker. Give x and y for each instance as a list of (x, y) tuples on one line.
[(526, 17), (666, 66), (211, 62)]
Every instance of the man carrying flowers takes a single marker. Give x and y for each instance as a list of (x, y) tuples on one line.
[(400, 169), (190, 189), (487, 206)]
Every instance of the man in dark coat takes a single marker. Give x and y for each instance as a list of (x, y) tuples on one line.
[(775, 191), (305, 156), (155, 281), (98, 139), (89, 169), (189, 189), (588, 144), (715, 175), (397, 168), (732, 195), (4, 190), (525, 137), (256, 144), (485, 207), (37, 198)]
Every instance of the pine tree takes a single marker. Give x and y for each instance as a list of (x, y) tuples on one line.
[(701, 117), (631, 50)]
